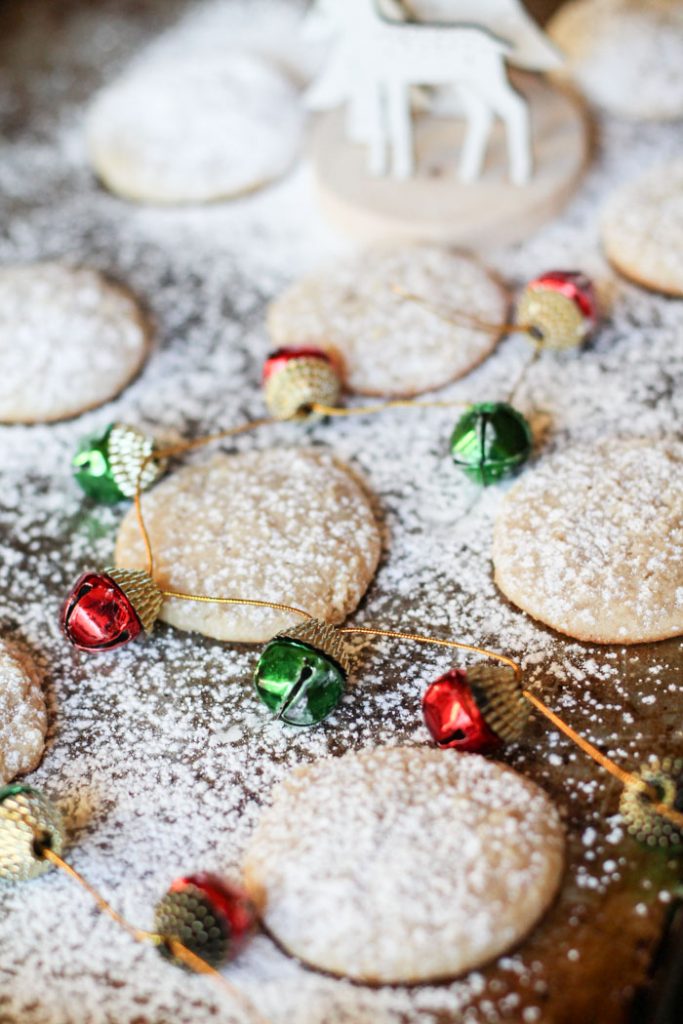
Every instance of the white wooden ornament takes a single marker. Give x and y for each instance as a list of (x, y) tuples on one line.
[(530, 47), (434, 205), (375, 63)]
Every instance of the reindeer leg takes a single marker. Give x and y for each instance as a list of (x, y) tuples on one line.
[(479, 122), (401, 129), (515, 113), (375, 119), (358, 127)]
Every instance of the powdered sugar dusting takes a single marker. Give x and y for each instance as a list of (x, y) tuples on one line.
[(387, 345), (642, 228), (284, 525), (591, 542), (69, 340), (627, 56), (23, 718), (180, 128), (391, 848), (160, 756)]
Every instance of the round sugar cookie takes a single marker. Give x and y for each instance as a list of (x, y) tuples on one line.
[(194, 128), (23, 718), (642, 229), (626, 55), (69, 340), (286, 525), (590, 542), (372, 312), (404, 865)]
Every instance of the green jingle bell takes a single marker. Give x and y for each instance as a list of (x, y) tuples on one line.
[(491, 441), (301, 674), (29, 822), (107, 465)]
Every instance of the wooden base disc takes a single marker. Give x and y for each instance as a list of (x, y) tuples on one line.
[(435, 205)]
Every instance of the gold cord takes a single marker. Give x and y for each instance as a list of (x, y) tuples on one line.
[(626, 778), (456, 319), (200, 442), (136, 933), (199, 966), (369, 410), (418, 638), (180, 449), (250, 602), (538, 348), (175, 947)]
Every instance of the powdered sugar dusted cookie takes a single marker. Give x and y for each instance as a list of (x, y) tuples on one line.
[(69, 340), (195, 127), (372, 311), (23, 719), (642, 229), (591, 542), (404, 865), (287, 525), (626, 55)]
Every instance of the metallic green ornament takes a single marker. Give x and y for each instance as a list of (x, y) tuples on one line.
[(490, 441), (302, 673), (28, 821), (107, 465)]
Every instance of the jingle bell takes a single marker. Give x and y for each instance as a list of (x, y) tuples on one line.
[(477, 710), (490, 441), (107, 465), (302, 672), (295, 379), (108, 609), (642, 821), (29, 823), (208, 917), (559, 309)]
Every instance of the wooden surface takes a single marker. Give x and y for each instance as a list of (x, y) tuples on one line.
[(435, 205), (160, 754)]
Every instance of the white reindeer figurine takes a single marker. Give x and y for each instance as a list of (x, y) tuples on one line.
[(375, 64)]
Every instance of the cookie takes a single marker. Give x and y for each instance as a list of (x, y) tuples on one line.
[(286, 525), (590, 542), (385, 342), (69, 340), (191, 128), (626, 55), (642, 229), (23, 718), (404, 865)]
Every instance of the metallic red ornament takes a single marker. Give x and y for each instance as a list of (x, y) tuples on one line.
[(559, 309), (108, 609), (574, 285), (477, 710), (453, 716), (295, 380), (229, 901), (208, 917), (277, 360)]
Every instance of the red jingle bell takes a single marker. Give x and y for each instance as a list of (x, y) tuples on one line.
[(574, 285), (209, 917), (278, 359), (559, 308), (477, 710), (297, 379), (108, 609), (453, 717)]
